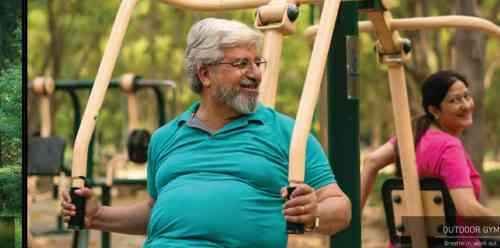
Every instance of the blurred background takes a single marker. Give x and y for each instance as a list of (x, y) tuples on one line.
[(10, 123), (66, 40)]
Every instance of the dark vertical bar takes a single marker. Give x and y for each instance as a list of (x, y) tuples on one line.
[(160, 105), (343, 119), (106, 201)]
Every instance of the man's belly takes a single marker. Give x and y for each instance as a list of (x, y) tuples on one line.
[(225, 212)]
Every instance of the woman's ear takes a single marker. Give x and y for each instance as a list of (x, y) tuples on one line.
[(204, 75), (434, 111)]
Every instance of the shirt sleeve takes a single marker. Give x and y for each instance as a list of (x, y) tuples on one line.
[(318, 171), (454, 170), (151, 170)]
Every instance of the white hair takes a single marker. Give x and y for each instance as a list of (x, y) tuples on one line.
[(207, 39)]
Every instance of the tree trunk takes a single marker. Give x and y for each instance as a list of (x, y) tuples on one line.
[(468, 59), (56, 41), (419, 67)]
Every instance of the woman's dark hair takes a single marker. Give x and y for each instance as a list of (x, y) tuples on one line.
[(434, 90)]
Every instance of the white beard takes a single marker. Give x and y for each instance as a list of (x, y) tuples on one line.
[(241, 103)]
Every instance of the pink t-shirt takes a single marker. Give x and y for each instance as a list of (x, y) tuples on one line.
[(443, 156)]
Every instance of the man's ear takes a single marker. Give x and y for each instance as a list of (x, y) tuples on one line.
[(203, 74), (434, 111)]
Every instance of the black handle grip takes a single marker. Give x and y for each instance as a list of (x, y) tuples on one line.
[(77, 222), (291, 227)]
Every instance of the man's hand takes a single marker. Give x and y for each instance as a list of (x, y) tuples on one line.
[(91, 209), (302, 206)]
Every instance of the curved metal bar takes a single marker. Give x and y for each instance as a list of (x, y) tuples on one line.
[(77, 110), (155, 82), (310, 92), (218, 5), (114, 83), (87, 126), (160, 103), (423, 23), (390, 51), (435, 22)]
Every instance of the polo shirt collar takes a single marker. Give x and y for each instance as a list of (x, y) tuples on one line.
[(255, 117)]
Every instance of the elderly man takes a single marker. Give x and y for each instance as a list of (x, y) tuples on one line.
[(217, 173)]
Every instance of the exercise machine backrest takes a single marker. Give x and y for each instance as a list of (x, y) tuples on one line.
[(439, 210)]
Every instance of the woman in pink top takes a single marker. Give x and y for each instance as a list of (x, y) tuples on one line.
[(439, 151)]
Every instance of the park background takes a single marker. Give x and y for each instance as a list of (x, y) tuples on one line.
[(66, 40)]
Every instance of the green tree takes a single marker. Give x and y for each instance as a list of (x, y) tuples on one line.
[(10, 19), (10, 114), (10, 99)]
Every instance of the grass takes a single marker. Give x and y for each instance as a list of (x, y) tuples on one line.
[(18, 232), (10, 192), (10, 198)]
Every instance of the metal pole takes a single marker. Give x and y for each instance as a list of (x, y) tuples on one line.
[(343, 119)]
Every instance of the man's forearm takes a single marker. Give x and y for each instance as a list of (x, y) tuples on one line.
[(334, 215), (124, 219)]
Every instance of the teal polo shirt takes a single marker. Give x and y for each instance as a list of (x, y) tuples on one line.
[(222, 189)]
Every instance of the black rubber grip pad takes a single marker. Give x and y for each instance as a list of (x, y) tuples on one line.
[(77, 222), (291, 227)]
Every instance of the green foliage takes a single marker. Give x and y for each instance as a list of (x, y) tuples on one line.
[(19, 233), (10, 82), (490, 180), (10, 114), (492, 113), (10, 192), (10, 32)]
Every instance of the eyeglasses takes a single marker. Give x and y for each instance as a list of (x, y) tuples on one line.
[(459, 99), (243, 63)]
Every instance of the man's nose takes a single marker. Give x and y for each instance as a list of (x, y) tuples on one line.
[(254, 72)]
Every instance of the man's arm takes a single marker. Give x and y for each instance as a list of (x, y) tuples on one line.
[(124, 219), (329, 203), (131, 219), (334, 209)]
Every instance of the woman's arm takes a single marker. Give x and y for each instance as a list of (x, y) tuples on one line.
[(467, 205), (372, 163)]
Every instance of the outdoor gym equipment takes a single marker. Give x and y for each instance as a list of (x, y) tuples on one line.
[(138, 139), (308, 99), (111, 52), (46, 152), (427, 23), (393, 50), (438, 206), (71, 87), (390, 52)]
